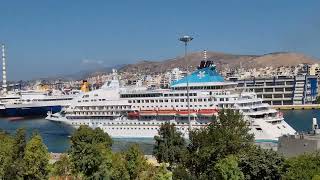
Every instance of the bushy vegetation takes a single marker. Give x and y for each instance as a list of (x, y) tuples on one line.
[(223, 150), (20, 159), (89, 157), (226, 150)]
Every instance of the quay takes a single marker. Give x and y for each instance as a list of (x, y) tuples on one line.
[(297, 107)]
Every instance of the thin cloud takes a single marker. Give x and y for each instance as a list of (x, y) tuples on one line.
[(91, 62)]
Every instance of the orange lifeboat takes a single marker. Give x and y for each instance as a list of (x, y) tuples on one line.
[(148, 113), (207, 112), (184, 113), (133, 114), (167, 112)]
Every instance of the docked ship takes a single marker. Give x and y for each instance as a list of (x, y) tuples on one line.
[(191, 102), (34, 103), (21, 103)]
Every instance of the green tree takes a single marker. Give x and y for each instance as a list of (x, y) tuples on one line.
[(6, 153), (119, 169), (156, 173), (16, 170), (136, 163), (36, 159), (19, 143), (105, 168), (163, 173), (228, 168), (316, 177), (259, 163), (228, 135), (304, 166), (87, 151), (181, 173), (170, 145), (62, 167)]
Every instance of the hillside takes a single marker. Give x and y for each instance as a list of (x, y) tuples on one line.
[(221, 60)]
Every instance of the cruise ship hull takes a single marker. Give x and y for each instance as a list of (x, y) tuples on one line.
[(38, 111), (126, 128)]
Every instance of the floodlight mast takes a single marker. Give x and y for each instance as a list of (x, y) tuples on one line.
[(186, 40)]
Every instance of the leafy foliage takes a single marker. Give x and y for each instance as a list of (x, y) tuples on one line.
[(36, 159), (62, 167), (135, 161), (163, 173), (6, 153), (86, 152), (106, 164), (170, 145), (16, 170), (156, 173), (181, 173), (228, 168), (228, 135), (305, 166), (119, 170), (260, 163)]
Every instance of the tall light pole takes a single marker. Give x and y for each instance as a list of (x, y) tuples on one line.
[(4, 72), (186, 40)]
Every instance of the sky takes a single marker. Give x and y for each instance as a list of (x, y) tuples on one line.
[(53, 37)]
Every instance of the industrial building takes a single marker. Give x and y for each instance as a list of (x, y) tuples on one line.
[(283, 90)]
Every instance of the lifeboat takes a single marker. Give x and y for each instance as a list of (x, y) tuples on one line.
[(184, 113), (167, 112), (133, 114), (207, 112), (148, 113)]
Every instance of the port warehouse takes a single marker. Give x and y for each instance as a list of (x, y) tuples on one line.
[(283, 90)]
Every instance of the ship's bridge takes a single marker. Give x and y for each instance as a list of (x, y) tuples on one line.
[(203, 78)]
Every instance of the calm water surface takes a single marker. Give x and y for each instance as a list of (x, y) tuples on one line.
[(56, 136)]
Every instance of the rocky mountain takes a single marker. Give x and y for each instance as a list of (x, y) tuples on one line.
[(221, 60)]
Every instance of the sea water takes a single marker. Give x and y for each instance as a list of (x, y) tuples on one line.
[(56, 136)]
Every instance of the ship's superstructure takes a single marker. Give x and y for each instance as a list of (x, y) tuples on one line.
[(139, 112)]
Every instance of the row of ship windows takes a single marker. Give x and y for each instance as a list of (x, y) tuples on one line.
[(96, 113), (171, 106), (198, 87), (97, 123), (140, 128), (101, 107), (29, 100), (92, 100), (169, 100), (225, 105), (157, 95), (289, 82)]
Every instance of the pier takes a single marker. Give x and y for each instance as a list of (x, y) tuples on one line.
[(297, 107)]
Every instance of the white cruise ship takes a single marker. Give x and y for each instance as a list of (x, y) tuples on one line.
[(139, 112)]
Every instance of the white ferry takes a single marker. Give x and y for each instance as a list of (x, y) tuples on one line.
[(34, 103), (18, 104), (139, 112)]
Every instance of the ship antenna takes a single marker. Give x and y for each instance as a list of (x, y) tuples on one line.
[(4, 72)]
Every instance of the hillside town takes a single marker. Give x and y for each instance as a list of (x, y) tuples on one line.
[(281, 85)]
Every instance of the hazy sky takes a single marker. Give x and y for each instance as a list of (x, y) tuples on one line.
[(53, 37)]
